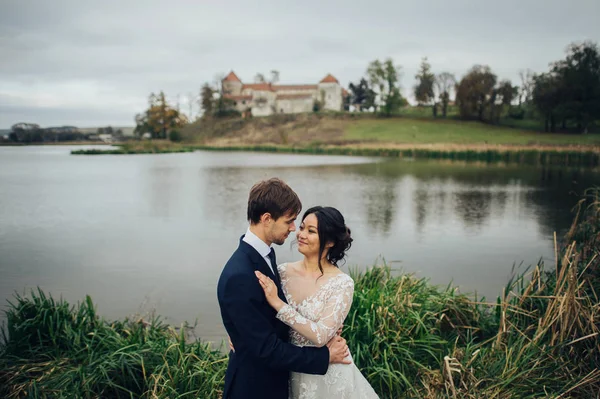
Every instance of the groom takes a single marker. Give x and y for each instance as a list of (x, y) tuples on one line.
[(260, 365)]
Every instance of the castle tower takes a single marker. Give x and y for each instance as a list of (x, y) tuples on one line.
[(330, 90), (232, 85)]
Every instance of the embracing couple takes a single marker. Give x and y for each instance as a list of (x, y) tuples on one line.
[(283, 321)]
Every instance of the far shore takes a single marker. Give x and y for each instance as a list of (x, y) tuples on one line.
[(12, 144), (559, 155), (348, 134)]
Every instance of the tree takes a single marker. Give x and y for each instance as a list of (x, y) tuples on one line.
[(475, 92), (274, 76), (346, 100), (579, 84), (191, 100), (259, 78), (445, 82), (362, 95), (160, 118), (424, 89), (207, 99), (546, 98), (385, 77), (502, 97), (526, 88), (26, 133), (570, 91)]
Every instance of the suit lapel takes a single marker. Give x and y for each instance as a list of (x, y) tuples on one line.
[(261, 265)]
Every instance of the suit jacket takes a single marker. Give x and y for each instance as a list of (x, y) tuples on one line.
[(263, 358)]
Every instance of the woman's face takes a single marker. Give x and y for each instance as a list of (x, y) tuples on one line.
[(308, 236)]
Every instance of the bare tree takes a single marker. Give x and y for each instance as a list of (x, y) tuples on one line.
[(445, 83), (526, 89), (191, 100), (218, 82)]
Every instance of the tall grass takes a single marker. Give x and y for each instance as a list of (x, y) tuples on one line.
[(540, 339), (55, 350)]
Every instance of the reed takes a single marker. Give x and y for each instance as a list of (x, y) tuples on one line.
[(539, 339), (53, 350)]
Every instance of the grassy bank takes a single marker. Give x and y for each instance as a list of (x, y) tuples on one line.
[(520, 155), (350, 128), (141, 147), (416, 131), (540, 339), (360, 134)]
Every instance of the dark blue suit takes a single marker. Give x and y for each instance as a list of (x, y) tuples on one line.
[(263, 358)]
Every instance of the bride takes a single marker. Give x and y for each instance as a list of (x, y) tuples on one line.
[(319, 296)]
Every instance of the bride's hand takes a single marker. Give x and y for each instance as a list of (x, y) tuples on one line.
[(270, 290)]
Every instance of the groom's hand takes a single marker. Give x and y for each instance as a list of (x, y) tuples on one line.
[(338, 350)]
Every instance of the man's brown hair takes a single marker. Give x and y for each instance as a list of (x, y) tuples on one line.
[(272, 196)]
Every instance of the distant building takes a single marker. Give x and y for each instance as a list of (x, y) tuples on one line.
[(106, 138), (263, 99)]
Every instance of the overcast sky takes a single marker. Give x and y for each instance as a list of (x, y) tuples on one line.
[(93, 63)]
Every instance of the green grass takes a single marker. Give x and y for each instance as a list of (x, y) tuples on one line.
[(540, 339), (418, 131)]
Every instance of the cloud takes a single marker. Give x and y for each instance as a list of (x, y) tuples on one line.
[(89, 61)]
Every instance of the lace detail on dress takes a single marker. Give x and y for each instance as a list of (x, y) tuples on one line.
[(314, 321), (318, 317)]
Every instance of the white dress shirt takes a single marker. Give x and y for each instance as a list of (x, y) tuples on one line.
[(261, 247)]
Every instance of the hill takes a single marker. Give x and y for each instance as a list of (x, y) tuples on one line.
[(337, 129)]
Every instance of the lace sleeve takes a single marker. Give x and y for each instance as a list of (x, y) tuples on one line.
[(335, 310)]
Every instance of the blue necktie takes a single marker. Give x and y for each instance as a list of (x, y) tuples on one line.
[(274, 264)]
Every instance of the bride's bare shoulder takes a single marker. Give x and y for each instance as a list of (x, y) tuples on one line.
[(292, 268)]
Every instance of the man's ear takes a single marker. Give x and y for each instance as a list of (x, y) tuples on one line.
[(266, 218)]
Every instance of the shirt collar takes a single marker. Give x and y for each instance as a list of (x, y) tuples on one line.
[(261, 247)]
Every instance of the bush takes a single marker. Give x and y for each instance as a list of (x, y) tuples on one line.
[(516, 113), (227, 113), (175, 135)]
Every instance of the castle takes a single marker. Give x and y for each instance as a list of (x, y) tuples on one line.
[(263, 99)]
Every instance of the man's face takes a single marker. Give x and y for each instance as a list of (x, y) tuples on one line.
[(281, 228)]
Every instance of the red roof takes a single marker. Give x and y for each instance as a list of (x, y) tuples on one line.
[(293, 96), (232, 77), (258, 86), (329, 79), (345, 92), (295, 87)]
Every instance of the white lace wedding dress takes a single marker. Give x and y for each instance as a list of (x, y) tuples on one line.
[(315, 312)]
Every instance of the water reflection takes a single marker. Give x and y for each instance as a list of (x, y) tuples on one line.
[(130, 230), (473, 207), (476, 193), (380, 204)]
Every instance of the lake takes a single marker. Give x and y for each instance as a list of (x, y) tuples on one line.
[(150, 233)]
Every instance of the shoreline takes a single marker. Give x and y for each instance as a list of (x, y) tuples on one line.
[(584, 156), (82, 143)]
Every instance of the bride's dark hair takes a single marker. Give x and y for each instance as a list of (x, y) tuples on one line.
[(331, 228)]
